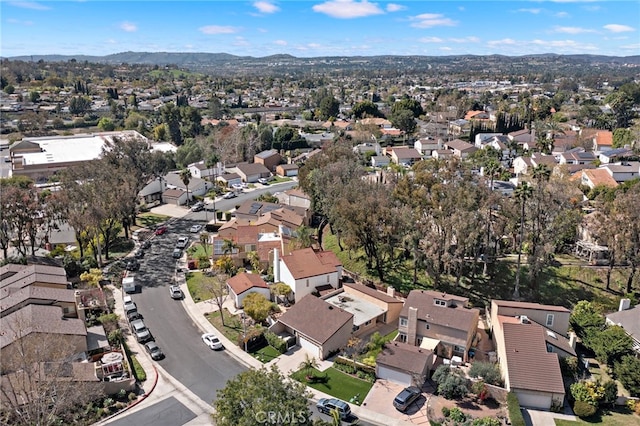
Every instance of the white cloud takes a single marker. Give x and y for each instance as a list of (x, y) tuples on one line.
[(561, 15), (430, 40), (532, 11), (19, 22), (593, 8), (572, 30), (430, 20), (634, 47), (501, 42), (128, 27), (392, 7), (347, 9), (281, 42), (29, 5), (266, 7), (564, 44), (263, 30), (617, 28), (241, 41), (470, 39), (217, 29), (112, 41), (446, 49)]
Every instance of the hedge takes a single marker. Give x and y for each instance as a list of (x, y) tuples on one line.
[(276, 341), (515, 415)]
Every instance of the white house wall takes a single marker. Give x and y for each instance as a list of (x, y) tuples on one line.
[(263, 291)]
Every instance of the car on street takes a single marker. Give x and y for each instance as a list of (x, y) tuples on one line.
[(182, 242), (133, 315), (175, 292), (129, 305), (263, 181), (229, 195), (197, 207), (177, 253), (146, 244), (195, 229), (326, 405), (131, 264), (153, 350), (212, 341), (141, 331), (161, 230), (139, 254), (406, 397)]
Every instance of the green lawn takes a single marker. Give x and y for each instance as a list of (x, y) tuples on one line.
[(233, 325), (266, 354), (618, 417), (146, 220), (337, 384), (196, 250), (195, 283)]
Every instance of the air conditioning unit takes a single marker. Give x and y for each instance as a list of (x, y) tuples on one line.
[(524, 319)]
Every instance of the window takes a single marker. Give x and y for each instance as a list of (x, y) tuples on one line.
[(457, 348), (368, 322), (439, 302), (355, 328), (549, 320), (403, 322), (427, 326), (419, 341), (217, 246), (307, 282), (402, 337), (327, 279)]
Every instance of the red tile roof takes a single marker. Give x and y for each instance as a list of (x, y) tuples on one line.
[(245, 281), (307, 263)]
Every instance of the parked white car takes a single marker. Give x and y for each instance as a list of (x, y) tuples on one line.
[(212, 341)]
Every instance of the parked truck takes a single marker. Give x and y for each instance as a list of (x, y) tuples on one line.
[(129, 284)]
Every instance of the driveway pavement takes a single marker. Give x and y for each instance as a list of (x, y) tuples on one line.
[(380, 399), (544, 418)]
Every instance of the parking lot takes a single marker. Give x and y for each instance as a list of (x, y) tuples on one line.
[(380, 400)]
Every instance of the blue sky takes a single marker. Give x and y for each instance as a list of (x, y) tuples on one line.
[(321, 27)]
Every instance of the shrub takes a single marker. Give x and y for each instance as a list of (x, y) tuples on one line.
[(584, 409), (132, 396), (515, 415), (454, 386), (486, 421), (138, 370), (480, 390), (276, 342), (457, 416), (487, 371), (446, 411)]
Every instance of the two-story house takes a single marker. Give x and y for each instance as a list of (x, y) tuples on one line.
[(439, 321), (307, 271)]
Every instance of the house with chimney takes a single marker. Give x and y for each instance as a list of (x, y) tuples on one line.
[(307, 271), (441, 322), (404, 364), (530, 338)]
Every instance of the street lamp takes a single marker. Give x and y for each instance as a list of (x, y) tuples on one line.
[(244, 330)]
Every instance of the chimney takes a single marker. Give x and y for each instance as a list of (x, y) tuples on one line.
[(276, 265), (391, 291), (524, 319), (79, 306), (624, 304), (572, 339), (412, 326)]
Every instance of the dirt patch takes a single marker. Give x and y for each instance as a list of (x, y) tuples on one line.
[(470, 406)]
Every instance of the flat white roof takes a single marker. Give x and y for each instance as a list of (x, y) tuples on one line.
[(361, 309)]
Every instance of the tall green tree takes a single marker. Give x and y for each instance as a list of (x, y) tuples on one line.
[(523, 192), (185, 176)]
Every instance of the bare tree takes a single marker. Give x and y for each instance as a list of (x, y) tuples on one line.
[(216, 284)]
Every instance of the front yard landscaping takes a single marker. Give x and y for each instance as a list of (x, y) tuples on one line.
[(619, 416), (266, 354), (149, 220), (195, 284), (336, 383)]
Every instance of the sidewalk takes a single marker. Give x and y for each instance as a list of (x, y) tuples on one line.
[(287, 363)]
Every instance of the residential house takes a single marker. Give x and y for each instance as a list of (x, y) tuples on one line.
[(460, 148), (629, 319), (251, 172), (363, 148), (295, 198), (177, 197), (459, 127), (477, 115), (252, 210), (369, 307), (270, 159), (197, 187), (381, 123), (439, 321), (442, 154), (243, 284), (404, 364), (201, 171), (481, 139), (403, 155), (307, 271), (229, 179), (287, 170), (601, 140), (426, 145), (615, 155), (525, 165), (596, 177), (529, 339), (577, 156), (380, 161), (501, 144), (152, 192), (521, 137), (320, 328), (623, 171)]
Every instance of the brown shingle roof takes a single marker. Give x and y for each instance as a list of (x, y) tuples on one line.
[(457, 318), (373, 293), (530, 305), (316, 319), (19, 276), (529, 365), (403, 356), (43, 294), (244, 281), (252, 169), (307, 263), (38, 319)]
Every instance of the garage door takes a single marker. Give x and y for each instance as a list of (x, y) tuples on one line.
[(534, 400), (394, 375), (310, 347)]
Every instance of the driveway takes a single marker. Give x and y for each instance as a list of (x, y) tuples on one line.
[(380, 399)]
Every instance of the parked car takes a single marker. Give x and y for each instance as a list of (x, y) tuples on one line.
[(229, 195), (326, 405), (195, 229), (182, 242), (406, 397), (133, 315), (161, 230), (139, 254), (146, 244), (129, 305), (212, 341), (153, 350), (141, 331), (197, 207), (131, 264), (263, 181), (175, 292), (237, 186), (177, 253)]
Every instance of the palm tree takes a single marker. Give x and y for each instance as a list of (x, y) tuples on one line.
[(304, 237), (492, 168), (308, 365), (204, 240), (523, 192), (254, 259), (212, 162), (228, 246), (185, 175)]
